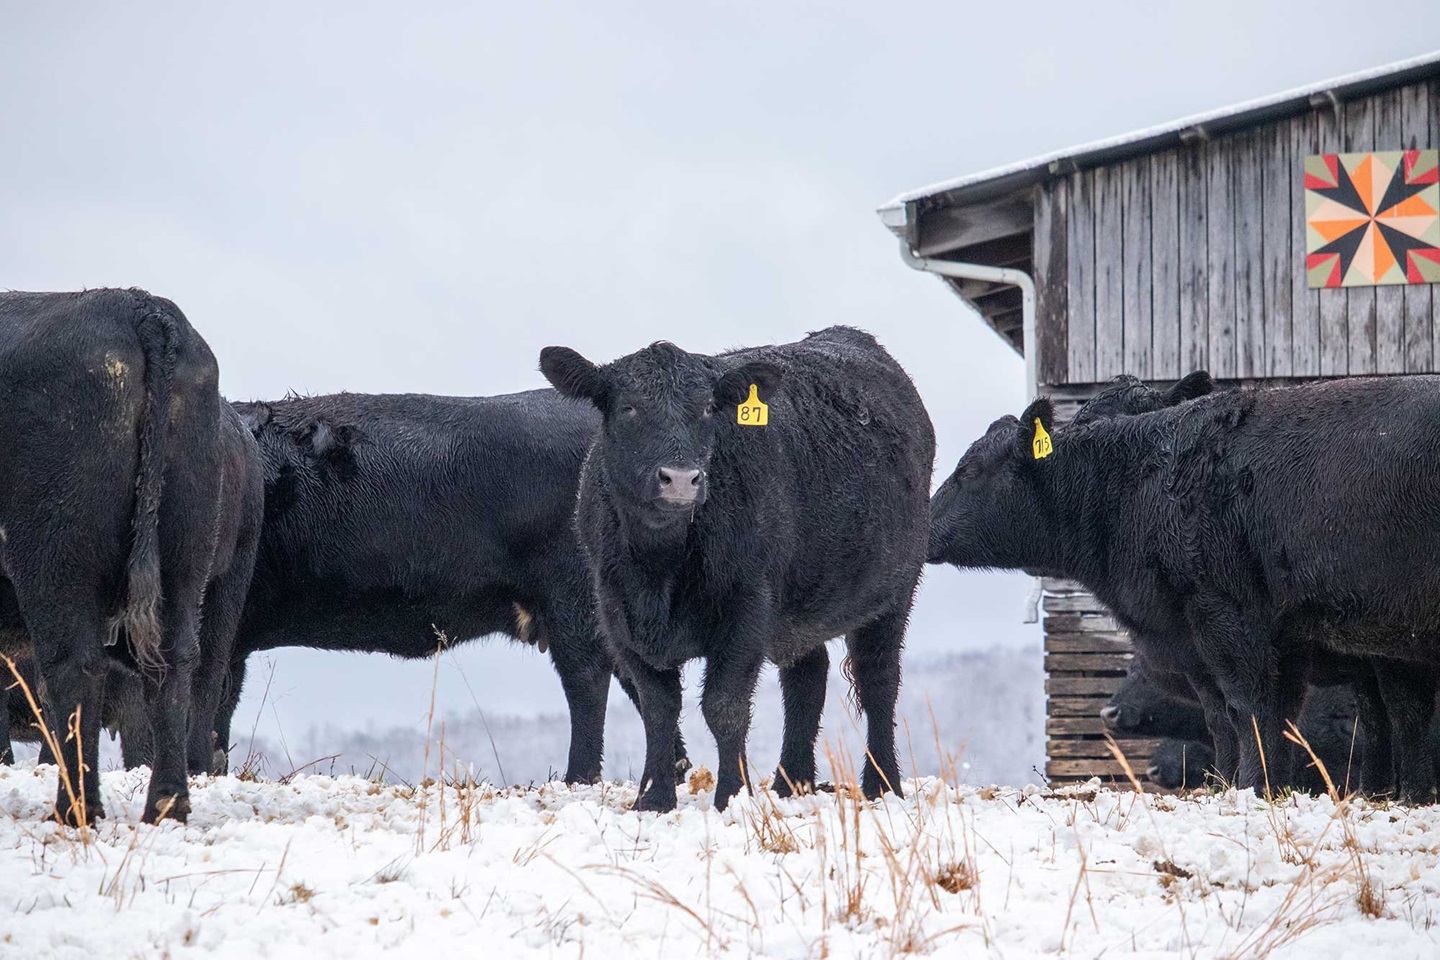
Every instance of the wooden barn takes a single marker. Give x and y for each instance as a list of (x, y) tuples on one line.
[(1287, 239)]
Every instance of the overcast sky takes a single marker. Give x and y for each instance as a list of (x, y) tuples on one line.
[(381, 198)]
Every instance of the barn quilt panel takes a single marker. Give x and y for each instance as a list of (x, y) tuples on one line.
[(1372, 218)]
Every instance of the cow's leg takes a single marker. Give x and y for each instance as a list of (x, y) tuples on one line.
[(579, 657), (1243, 662), (125, 700), (875, 664), (225, 714), (224, 602), (1409, 693), (659, 692), (803, 685), (1376, 753), (1223, 740), (67, 632), (682, 758), (729, 692)]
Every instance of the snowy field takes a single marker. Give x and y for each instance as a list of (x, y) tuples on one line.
[(347, 867)]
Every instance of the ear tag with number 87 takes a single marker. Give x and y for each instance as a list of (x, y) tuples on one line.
[(1042, 445), (752, 413)]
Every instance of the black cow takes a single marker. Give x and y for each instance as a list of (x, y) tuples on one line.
[(716, 527), (1231, 535), (121, 508), (388, 518)]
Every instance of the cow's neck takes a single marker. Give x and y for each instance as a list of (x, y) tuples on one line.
[(1087, 485)]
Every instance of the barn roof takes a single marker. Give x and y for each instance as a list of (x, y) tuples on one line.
[(986, 217)]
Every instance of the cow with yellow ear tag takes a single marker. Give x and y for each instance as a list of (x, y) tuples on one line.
[(748, 506)]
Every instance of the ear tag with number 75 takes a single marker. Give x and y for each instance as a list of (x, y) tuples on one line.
[(752, 413)]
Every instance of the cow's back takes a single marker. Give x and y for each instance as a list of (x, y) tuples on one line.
[(432, 500), (837, 483)]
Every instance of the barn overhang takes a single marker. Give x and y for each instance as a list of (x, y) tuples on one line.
[(989, 217)]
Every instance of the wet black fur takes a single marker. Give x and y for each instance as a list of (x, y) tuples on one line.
[(1235, 536), (803, 530), (122, 500), (389, 517)]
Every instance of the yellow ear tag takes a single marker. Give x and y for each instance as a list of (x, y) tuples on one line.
[(752, 413), (1042, 445)]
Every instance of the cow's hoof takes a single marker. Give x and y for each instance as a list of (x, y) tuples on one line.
[(656, 800), (682, 768), (166, 806), (220, 762)]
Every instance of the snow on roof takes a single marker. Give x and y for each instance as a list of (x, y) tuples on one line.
[(999, 180)]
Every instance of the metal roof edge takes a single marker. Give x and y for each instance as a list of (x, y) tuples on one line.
[(998, 181)]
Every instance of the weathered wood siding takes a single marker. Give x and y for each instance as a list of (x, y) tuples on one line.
[(1195, 258)]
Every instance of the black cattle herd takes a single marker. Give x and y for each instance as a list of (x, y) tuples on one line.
[(1269, 550)]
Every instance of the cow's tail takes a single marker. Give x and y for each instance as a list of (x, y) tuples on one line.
[(157, 329)]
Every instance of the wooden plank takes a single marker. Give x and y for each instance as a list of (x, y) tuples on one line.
[(1109, 274), (1389, 299), (1194, 238), (1359, 135), (1085, 769), (1078, 603), (1165, 266), (1433, 95), (1304, 303), (1279, 256), (1334, 304), (1136, 267), (1080, 267), (1052, 282), (1076, 706), (1220, 216), (1100, 749), (1086, 643), (1074, 662), (1060, 586), (1070, 726), (1417, 304), (1081, 623), (1249, 220), (1082, 686)]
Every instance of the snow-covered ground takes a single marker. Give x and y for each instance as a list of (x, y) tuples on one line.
[(346, 867)]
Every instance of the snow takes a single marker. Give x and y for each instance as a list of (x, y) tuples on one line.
[(891, 212), (348, 867)]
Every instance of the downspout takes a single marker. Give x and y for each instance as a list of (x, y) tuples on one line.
[(1016, 278), (978, 271)]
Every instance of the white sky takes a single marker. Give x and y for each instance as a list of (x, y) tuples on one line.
[(382, 198)]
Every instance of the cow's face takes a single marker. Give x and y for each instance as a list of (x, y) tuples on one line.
[(662, 410), (989, 505), (1126, 396)]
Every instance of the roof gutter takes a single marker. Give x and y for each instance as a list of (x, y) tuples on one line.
[(1007, 275)]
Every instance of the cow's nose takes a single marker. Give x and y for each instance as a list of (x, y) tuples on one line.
[(1110, 714), (679, 484)]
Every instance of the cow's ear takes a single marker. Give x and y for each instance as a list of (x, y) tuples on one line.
[(734, 387), (573, 375), (1037, 425), (256, 418), (1193, 385)]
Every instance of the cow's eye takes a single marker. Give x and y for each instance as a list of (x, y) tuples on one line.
[(708, 410), (628, 411)]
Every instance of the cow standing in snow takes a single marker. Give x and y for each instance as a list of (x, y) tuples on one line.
[(129, 496), (1233, 535), (389, 517), (754, 505)]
